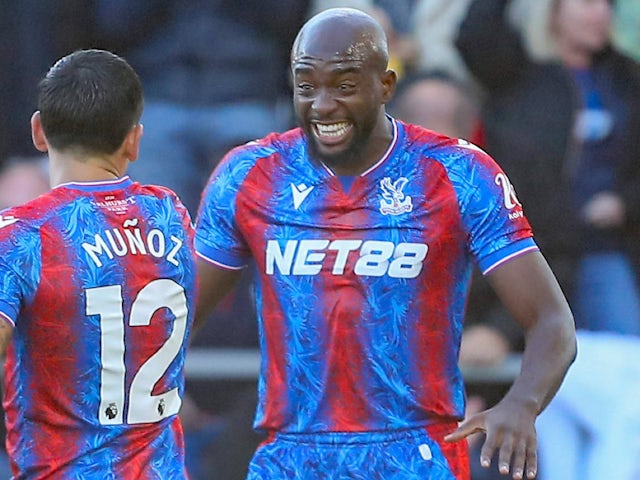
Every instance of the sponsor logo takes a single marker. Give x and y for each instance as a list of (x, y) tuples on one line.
[(394, 201), (111, 411), (113, 204), (299, 192), (365, 258)]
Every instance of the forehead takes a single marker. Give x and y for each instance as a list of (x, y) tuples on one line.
[(333, 47)]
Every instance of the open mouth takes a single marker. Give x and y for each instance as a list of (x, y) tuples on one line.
[(331, 133)]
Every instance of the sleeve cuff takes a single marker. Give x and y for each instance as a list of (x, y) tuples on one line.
[(504, 255), (219, 258), (5, 317)]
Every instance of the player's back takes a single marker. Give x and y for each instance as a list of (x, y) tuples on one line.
[(99, 279)]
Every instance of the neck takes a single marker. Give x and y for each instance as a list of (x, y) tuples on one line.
[(377, 144), (65, 168), (573, 57)]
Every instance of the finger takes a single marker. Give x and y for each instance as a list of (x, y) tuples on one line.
[(519, 455), (532, 459), (506, 452), (464, 430), (488, 449)]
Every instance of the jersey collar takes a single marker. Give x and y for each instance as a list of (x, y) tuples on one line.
[(99, 186)]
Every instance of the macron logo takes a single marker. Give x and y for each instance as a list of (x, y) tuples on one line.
[(6, 221), (299, 192)]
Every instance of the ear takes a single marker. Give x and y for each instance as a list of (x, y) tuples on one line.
[(132, 142), (389, 80), (37, 133)]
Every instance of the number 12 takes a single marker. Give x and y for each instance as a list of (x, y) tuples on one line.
[(143, 406)]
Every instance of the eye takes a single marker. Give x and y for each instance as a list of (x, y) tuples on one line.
[(304, 89), (346, 87)]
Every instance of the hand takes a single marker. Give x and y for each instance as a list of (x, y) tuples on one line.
[(510, 429), (604, 210)]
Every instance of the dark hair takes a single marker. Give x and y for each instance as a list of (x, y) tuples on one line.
[(90, 100)]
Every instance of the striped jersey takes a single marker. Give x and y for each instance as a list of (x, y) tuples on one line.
[(98, 279), (361, 293)]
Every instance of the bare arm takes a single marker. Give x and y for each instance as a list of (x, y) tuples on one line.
[(528, 289), (6, 332), (214, 283)]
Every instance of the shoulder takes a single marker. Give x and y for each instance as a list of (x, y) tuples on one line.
[(160, 192), (267, 146), (275, 148), (31, 215), (612, 59), (452, 153), (167, 201), (20, 226)]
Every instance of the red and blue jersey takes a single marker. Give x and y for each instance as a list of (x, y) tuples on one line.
[(99, 280), (361, 294)]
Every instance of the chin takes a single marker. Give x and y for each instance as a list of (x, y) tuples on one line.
[(338, 157)]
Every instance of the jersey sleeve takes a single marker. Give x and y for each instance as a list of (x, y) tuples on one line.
[(19, 269), (492, 214), (218, 239)]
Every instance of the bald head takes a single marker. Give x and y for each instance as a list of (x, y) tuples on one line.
[(342, 33), (341, 85)]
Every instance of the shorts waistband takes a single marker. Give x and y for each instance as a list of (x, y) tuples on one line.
[(435, 431)]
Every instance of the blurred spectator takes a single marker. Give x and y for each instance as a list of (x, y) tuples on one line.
[(438, 101), (214, 74), (23, 179), (562, 116), (434, 28)]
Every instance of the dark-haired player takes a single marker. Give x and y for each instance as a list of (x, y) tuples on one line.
[(98, 282)]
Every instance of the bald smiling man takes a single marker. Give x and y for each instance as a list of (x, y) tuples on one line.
[(364, 232)]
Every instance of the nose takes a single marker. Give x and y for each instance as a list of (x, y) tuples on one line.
[(323, 102)]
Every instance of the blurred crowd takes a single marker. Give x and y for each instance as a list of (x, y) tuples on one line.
[(549, 88)]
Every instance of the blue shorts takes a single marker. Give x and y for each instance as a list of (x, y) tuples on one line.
[(394, 455)]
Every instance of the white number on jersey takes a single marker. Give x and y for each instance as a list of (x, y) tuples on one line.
[(143, 406)]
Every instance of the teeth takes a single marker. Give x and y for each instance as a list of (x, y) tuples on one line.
[(332, 130)]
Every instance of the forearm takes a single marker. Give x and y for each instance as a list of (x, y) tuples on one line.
[(550, 348), (213, 285), (530, 293)]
